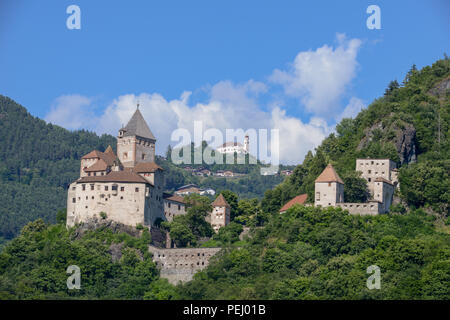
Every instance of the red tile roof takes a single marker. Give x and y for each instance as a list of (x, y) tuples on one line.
[(108, 156), (220, 202), (300, 199), (92, 154), (100, 165), (146, 167), (329, 175), (115, 176), (176, 198)]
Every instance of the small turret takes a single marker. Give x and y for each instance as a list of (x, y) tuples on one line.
[(246, 144)]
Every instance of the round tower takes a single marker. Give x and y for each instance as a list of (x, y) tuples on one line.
[(246, 144)]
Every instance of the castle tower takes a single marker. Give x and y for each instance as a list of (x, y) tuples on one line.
[(220, 215), (329, 188), (246, 144), (135, 142)]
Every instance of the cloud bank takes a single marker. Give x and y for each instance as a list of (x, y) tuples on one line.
[(318, 78)]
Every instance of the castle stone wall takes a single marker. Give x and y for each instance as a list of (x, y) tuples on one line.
[(182, 263), (368, 208), (171, 209), (125, 205)]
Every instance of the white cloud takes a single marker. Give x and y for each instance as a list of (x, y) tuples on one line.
[(354, 106), (319, 78), (71, 112), (296, 137)]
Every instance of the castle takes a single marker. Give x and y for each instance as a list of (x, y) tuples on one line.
[(381, 176), (129, 187)]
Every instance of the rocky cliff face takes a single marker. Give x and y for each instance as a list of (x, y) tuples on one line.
[(405, 143), (441, 89), (401, 134), (96, 223)]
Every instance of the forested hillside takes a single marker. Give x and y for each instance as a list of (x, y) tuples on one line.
[(305, 253), (408, 124), (251, 184), (39, 160), (313, 253)]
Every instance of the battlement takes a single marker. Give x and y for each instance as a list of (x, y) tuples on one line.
[(181, 264)]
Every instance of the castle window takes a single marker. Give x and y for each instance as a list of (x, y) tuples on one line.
[(114, 188), (370, 171), (179, 207), (73, 200), (122, 188), (369, 179), (73, 188), (136, 190), (92, 197), (168, 205), (143, 156), (317, 196), (86, 197), (371, 162), (95, 173), (92, 187), (106, 188), (125, 155), (86, 207), (89, 174), (121, 198), (103, 173)]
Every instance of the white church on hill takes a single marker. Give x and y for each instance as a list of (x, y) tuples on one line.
[(235, 147)]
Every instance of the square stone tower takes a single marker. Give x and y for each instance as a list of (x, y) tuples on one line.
[(135, 142), (220, 215), (329, 188)]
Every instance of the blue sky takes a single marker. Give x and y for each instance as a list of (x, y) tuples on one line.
[(295, 65)]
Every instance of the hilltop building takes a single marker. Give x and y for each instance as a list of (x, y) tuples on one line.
[(127, 187), (235, 147), (192, 188), (381, 178)]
